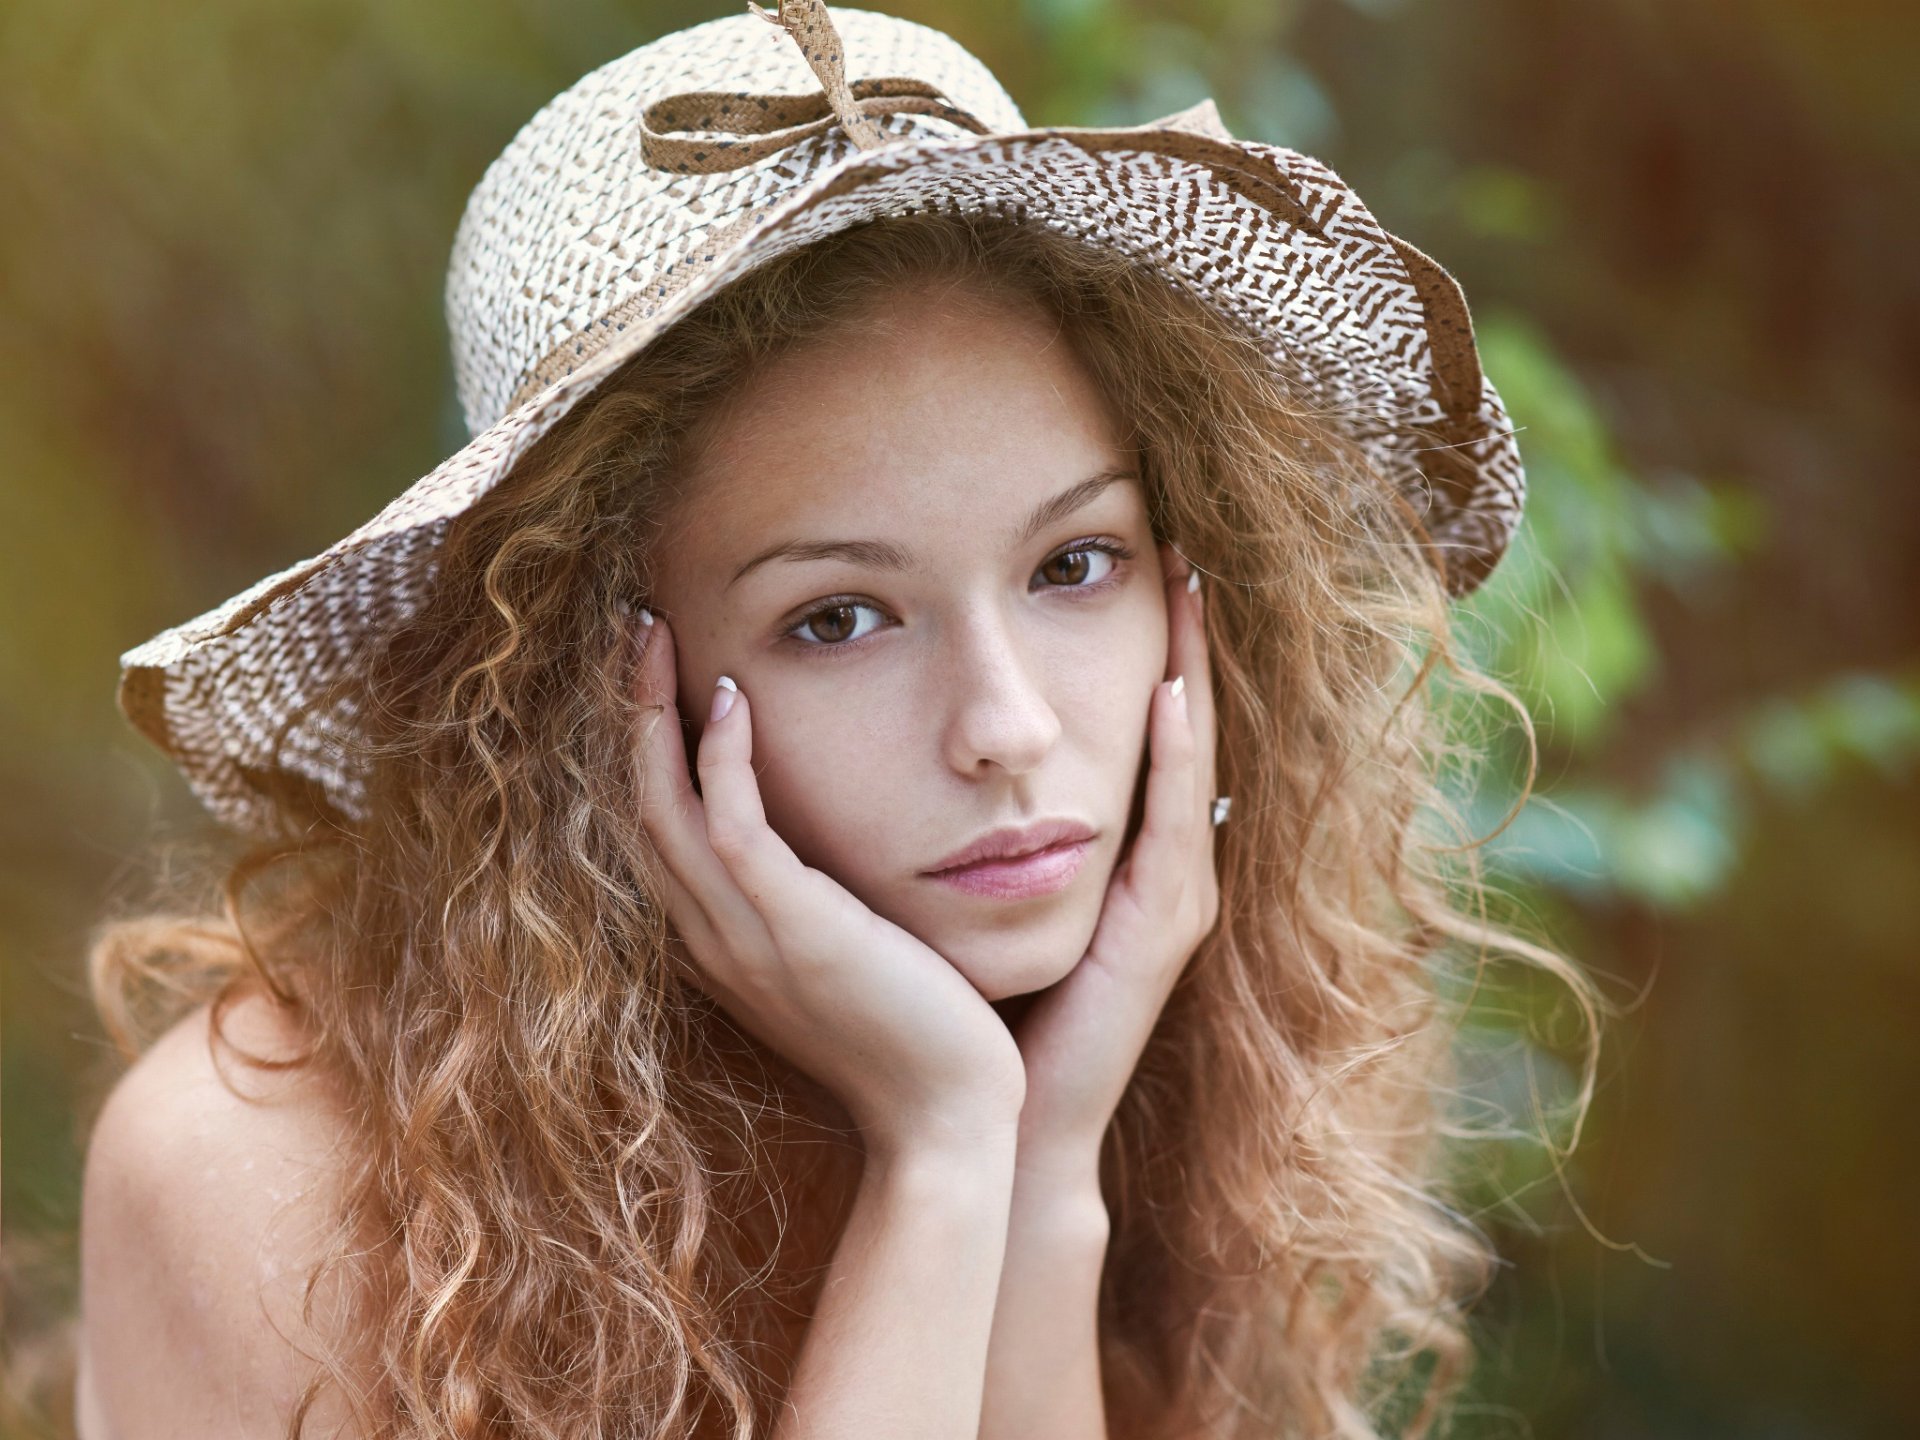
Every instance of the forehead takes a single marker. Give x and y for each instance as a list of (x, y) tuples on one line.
[(932, 408)]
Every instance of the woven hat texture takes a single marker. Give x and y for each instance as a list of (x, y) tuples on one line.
[(670, 172)]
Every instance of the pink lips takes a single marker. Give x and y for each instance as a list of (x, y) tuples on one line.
[(1021, 877), (1040, 873)]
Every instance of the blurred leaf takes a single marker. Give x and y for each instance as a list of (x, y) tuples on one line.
[(1688, 528), (1796, 745), (1589, 651), (1680, 846), (1505, 203), (1056, 15), (1874, 718), (1669, 849)]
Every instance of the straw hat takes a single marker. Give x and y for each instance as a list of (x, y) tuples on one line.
[(672, 171)]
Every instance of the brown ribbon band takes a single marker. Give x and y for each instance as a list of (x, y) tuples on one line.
[(707, 130), (743, 128)]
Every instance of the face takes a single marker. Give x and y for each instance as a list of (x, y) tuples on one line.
[(918, 549)]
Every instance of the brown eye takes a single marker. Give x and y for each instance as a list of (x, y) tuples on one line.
[(833, 624), (1074, 565), (1069, 569), (836, 626)]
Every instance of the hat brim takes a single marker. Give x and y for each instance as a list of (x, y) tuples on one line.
[(1375, 332)]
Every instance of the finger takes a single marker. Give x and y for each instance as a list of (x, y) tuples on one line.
[(1158, 867), (1188, 655), (761, 864), (1190, 643), (671, 811), (669, 807)]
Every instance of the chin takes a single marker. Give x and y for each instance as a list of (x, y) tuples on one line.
[(1009, 954), (1001, 967)]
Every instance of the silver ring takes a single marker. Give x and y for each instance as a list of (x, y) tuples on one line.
[(1221, 805)]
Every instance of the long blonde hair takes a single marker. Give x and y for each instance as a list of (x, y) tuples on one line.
[(580, 1201)]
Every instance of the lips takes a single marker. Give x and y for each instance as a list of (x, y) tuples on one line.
[(1011, 841), (1024, 877)]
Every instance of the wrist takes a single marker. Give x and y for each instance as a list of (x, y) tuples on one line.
[(1061, 1221), (945, 1151), (1061, 1196), (1055, 1166)]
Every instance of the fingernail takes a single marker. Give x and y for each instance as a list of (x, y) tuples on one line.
[(1179, 684), (1193, 581), (646, 616), (723, 694)]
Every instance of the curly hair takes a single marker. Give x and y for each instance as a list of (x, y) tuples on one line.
[(581, 1201)]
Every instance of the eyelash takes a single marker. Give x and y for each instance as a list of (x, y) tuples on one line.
[(1120, 553)]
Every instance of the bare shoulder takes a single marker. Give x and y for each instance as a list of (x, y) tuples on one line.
[(203, 1211)]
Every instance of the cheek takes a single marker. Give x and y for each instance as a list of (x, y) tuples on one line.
[(828, 786), (1110, 680), (1114, 686)]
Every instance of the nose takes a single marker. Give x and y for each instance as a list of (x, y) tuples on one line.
[(998, 710)]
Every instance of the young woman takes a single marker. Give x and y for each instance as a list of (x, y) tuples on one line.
[(859, 863)]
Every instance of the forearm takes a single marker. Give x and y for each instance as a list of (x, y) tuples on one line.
[(898, 1341), (1043, 1363)]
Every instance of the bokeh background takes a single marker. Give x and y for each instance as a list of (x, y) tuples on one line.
[(1687, 233)]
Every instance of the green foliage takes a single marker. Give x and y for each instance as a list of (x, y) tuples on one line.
[(1564, 616), (1565, 621)]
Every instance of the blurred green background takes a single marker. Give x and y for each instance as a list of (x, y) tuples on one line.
[(1687, 232)]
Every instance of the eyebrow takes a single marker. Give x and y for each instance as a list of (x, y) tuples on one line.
[(884, 555)]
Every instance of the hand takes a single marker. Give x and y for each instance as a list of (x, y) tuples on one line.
[(867, 1009), (1081, 1038)]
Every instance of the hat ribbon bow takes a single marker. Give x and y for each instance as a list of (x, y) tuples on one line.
[(702, 131)]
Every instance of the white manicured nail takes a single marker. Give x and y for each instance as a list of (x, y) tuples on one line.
[(646, 616), (1179, 684), (1193, 581)]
